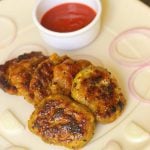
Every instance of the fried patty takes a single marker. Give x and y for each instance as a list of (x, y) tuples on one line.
[(64, 74), (42, 78), (96, 88), (54, 76), (5, 83), (60, 120), (15, 74)]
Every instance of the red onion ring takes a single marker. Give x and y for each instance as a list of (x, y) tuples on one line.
[(112, 49), (132, 87)]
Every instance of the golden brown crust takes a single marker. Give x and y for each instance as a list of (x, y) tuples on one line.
[(15, 74), (65, 72), (54, 76), (5, 83), (45, 81), (96, 88), (41, 81), (41, 84), (59, 120)]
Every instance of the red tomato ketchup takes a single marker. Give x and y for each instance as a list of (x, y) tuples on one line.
[(68, 17)]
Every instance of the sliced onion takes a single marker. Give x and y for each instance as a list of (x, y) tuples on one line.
[(132, 80), (123, 60)]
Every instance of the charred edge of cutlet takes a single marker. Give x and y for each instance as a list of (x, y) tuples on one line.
[(5, 85), (29, 56), (42, 121)]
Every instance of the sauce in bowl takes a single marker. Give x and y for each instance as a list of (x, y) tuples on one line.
[(68, 17)]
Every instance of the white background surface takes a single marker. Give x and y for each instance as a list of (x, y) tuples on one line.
[(118, 15)]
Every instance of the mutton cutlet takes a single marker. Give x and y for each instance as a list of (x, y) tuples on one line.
[(15, 74), (60, 120)]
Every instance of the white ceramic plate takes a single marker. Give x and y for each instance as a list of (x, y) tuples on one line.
[(117, 17)]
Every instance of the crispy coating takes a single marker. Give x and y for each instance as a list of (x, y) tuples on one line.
[(96, 88), (54, 76), (64, 74), (61, 121), (5, 83), (42, 79), (15, 74)]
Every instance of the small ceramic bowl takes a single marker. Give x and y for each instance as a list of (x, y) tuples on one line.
[(68, 40)]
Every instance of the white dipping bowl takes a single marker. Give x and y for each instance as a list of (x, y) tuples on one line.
[(68, 40)]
